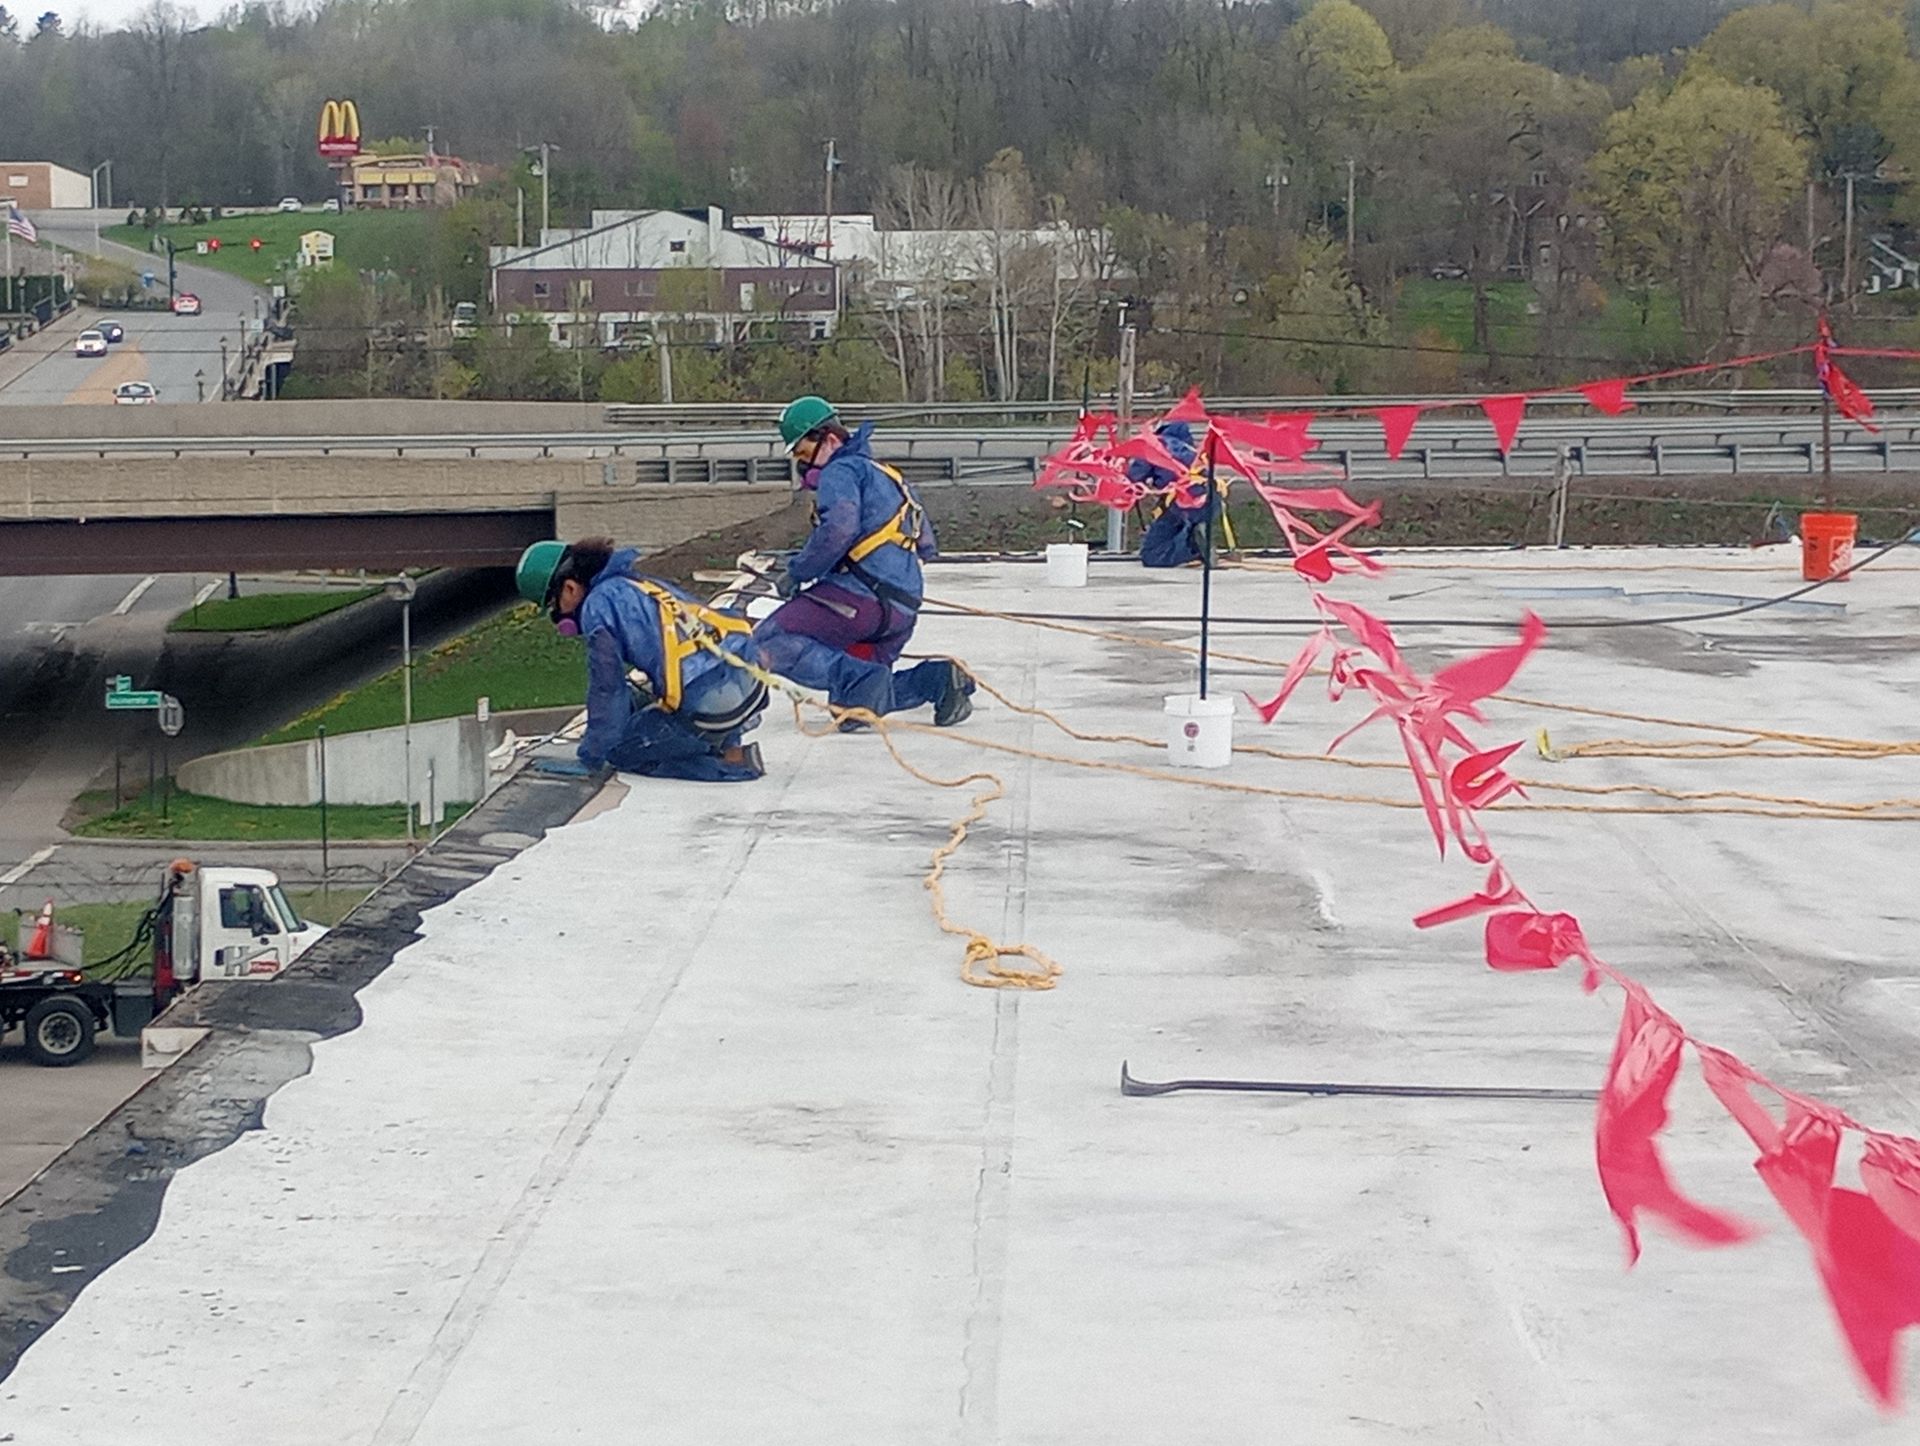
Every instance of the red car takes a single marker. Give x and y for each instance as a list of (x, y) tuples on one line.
[(186, 304)]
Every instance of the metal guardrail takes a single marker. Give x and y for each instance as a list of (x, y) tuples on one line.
[(1442, 448), (642, 415), (1359, 436)]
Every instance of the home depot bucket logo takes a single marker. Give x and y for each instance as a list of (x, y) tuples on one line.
[(339, 129)]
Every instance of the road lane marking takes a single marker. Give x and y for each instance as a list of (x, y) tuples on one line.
[(206, 592), (134, 594), (26, 866)]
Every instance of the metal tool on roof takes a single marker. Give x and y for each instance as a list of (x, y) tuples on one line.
[(1131, 1086)]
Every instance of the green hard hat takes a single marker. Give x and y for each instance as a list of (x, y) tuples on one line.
[(537, 566), (803, 415)]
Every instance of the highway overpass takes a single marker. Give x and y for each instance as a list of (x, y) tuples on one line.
[(386, 484)]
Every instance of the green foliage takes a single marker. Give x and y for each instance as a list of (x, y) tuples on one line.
[(517, 661), (390, 241), (1834, 67), (195, 816), (267, 611), (1694, 185)]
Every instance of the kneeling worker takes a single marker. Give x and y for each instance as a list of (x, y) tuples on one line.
[(690, 726), (860, 569), (1176, 534)]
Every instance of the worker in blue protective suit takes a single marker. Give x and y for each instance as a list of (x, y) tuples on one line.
[(688, 719), (854, 588), (1177, 535)]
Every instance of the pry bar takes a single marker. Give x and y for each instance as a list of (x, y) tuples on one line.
[(1131, 1086)]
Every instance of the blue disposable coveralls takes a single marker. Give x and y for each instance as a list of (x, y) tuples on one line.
[(1178, 535), (621, 626), (853, 500)]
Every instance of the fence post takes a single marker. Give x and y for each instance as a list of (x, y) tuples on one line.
[(1561, 473)]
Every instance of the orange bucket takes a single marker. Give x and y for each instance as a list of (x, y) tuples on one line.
[(1826, 544)]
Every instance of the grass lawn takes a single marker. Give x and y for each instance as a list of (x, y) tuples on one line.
[(1446, 307), (266, 611), (363, 241), (193, 816), (516, 660), (109, 927)]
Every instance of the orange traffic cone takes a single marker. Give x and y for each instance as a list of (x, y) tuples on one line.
[(41, 945)]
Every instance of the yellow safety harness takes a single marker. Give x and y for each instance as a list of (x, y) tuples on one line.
[(901, 530), (1198, 473), (682, 626)]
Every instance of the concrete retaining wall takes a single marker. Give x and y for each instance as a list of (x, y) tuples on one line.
[(369, 767)]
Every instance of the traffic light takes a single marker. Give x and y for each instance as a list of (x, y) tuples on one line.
[(213, 243)]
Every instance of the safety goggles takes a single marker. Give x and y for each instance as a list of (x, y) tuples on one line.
[(807, 448), (566, 626)]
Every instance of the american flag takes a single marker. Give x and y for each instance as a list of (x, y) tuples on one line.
[(19, 225)]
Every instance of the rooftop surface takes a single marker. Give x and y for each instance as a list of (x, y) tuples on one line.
[(681, 1127)]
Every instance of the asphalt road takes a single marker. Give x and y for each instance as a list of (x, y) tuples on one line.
[(161, 348), (60, 638)]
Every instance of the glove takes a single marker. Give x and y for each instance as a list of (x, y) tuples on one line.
[(779, 575), (642, 691)]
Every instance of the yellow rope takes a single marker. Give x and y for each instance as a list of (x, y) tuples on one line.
[(1806, 744), (980, 965)]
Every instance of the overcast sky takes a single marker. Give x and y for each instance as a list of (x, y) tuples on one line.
[(106, 14)]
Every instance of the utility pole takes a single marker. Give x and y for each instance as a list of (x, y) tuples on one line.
[(1116, 519), (1809, 218), (546, 190), (1349, 214), (429, 142), (1846, 261), (666, 370), (833, 164), (519, 219)]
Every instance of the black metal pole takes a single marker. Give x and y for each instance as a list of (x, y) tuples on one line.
[(166, 790), (322, 734), (1206, 569)]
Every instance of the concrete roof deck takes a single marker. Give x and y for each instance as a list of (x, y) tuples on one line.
[(681, 1128)]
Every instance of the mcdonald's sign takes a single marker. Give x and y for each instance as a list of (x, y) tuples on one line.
[(339, 129)]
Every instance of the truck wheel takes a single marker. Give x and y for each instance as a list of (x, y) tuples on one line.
[(59, 1031)]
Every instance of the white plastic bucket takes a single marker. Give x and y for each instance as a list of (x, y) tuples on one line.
[(1066, 564), (1199, 730)]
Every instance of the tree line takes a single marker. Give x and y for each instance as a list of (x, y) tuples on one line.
[(1638, 181)]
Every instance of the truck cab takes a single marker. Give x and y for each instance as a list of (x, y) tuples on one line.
[(213, 924), (247, 927)]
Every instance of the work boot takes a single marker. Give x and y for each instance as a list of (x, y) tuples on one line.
[(746, 756), (956, 704)]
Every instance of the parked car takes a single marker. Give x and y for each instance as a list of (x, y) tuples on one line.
[(289, 203), (112, 330), (186, 304), (90, 343), (1447, 271), (332, 203), (466, 319), (135, 394)]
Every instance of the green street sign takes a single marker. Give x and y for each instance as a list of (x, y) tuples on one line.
[(122, 697)]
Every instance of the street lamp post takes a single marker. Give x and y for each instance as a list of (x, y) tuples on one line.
[(98, 191), (401, 590)]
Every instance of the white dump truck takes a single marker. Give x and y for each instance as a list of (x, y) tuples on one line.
[(209, 923)]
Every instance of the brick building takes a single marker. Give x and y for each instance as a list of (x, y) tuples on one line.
[(43, 186), (631, 271)]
